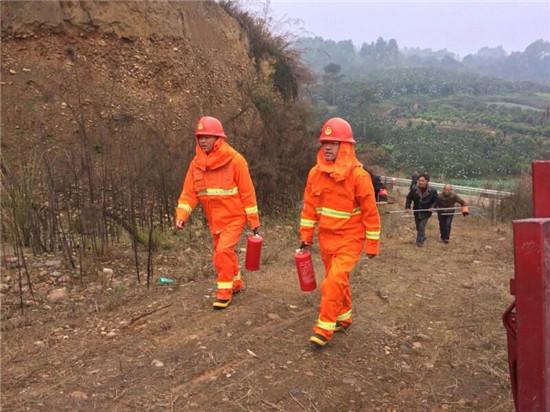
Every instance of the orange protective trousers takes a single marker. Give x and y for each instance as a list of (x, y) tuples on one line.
[(226, 262), (335, 290)]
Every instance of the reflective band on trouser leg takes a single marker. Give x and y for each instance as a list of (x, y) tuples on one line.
[(330, 326), (224, 285), (373, 235), (251, 210), (344, 316), (185, 207), (307, 222)]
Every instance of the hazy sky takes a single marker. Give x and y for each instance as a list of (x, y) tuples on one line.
[(461, 27)]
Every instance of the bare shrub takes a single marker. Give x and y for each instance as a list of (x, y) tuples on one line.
[(520, 204), (289, 71)]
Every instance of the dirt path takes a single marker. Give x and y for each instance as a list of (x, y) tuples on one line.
[(427, 336)]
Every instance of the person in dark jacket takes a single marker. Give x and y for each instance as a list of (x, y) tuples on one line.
[(447, 200), (376, 182), (414, 179), (423, 197)]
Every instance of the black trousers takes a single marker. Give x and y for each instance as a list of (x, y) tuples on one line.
[(445, 222), (421, 219)]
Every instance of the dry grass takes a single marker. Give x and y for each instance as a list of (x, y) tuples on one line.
[(520, 204)]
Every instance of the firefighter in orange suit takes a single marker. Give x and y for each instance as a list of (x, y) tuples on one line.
[(339, 199), (219, 179)]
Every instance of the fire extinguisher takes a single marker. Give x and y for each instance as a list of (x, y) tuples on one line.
[(253, 252), (304, 267)]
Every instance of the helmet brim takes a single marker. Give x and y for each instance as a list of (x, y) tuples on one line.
[(324, 138), (197, 134)]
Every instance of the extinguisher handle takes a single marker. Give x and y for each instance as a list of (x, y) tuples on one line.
[(255, 231), (303, 246)]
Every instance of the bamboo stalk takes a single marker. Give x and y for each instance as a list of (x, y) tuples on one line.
[(427, 210), (150, 250)]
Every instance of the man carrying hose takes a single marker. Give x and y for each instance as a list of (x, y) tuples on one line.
[(339, 199), (218, 178), (423, 197), (446, 201)]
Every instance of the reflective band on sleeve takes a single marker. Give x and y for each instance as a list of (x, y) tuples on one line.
[(373, 235), (307, 222), (214, 191), (225, 285), (326, 325), (185, 207), (344, 316), (251, 210), (338, 214)]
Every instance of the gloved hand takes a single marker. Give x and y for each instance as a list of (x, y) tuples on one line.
[(255, 231), (180, 224)]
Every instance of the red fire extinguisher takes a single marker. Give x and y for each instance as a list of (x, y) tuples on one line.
[(304, 266), (253, 252)]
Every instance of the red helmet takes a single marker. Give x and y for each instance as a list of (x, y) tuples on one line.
[(336, 130), (209, 126)]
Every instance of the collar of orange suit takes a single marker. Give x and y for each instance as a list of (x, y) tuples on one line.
[(344, 164), (220, 155)]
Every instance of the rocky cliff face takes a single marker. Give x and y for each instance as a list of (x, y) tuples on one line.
[(161, 63), (199, 22)]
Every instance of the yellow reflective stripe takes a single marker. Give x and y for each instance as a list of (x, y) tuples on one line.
[(338, 214), (344, 316), (307, 222), (373, 235), (237, 276), (214, 191), (251, 210), (225, 285), (185, 207), (326, 325)]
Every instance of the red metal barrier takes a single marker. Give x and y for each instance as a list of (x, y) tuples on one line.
[(541, 188), (527, 320), (509, 319)]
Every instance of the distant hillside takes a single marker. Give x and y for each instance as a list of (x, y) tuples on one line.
[(416, 109), (533, 64)]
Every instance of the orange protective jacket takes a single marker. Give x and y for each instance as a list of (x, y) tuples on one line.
[(221, 182), (339, 199)]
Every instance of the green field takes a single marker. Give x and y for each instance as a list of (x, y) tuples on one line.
[(496, 183), (521, 106)]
